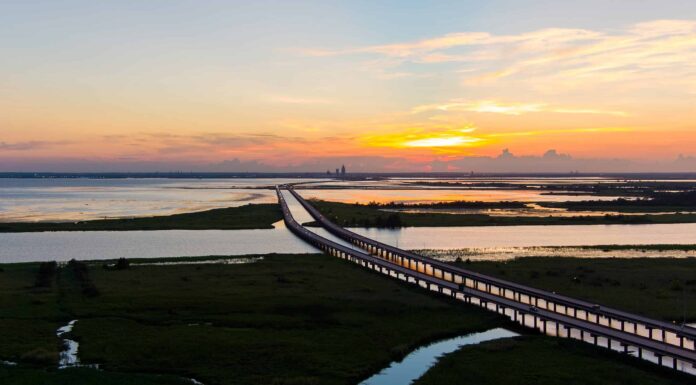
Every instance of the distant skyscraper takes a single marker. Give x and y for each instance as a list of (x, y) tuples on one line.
[(337, 172), (343, 170)]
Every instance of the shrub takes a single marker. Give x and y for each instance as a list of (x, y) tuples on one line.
[(46, 274), (39, 356), (122, 264)]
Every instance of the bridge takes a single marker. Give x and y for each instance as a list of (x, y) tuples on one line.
[(656, 341)]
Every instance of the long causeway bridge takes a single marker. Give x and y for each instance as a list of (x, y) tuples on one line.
[(663, 343)]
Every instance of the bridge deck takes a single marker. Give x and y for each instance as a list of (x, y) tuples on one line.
[(515, 306), (681, 335)]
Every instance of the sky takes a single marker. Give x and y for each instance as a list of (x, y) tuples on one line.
[(505, 86)]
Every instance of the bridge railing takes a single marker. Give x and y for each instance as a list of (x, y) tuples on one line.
[(677, 335), (565, 326)]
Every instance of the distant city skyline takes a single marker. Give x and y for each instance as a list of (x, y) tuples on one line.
[(385, 86)]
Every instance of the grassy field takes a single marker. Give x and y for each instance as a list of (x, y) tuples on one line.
[(251, 216), (288, 319), (535, 360), (82, 376), (612, 206), (657, 202), (305, 319), (359, 215), (661, 288)]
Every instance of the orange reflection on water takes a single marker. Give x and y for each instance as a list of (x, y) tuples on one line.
[(432, 195)]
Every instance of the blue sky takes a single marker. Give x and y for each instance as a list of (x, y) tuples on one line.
[(120, 81)]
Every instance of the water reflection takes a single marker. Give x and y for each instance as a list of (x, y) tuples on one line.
[(532, 210), (63, 246), (509, 253), (97, 245), (68, 356), (441, 195), (528, 236), (419, 361), (66, 199)]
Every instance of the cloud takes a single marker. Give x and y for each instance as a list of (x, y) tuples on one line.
[(506, 161), (439, 139), (561, 131), (29, 145), (491, 106), (659, 50), (462, 39)]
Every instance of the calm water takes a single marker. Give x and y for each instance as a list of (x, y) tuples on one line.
[(419, 361), (63, 246), (440, 195), (57, 197), (65, 199), (70, 199), (526, 236)]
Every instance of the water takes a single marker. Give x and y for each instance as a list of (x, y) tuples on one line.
[(528, 236), (227, 261), (419, 361), (71, 199), (63, 246), (68, 356), (64, 199), (428, 195), (56, 198), (532, 210), (508, 253)]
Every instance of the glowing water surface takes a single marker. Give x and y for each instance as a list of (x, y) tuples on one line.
[(414, 365)]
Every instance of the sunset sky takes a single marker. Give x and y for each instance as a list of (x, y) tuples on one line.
[(378, 85)]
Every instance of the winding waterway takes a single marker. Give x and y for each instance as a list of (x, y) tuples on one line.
[(68, 356), (416, 363)]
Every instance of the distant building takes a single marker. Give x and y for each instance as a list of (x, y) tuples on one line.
[(337, 172), (343, 170)]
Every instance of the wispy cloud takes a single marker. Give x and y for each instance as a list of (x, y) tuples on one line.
[(29, 145), (660, 50), (423, 47), (491, 106), (564, 131)]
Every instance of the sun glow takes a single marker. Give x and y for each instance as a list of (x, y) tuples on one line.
[(438, 139), (442, 141)]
